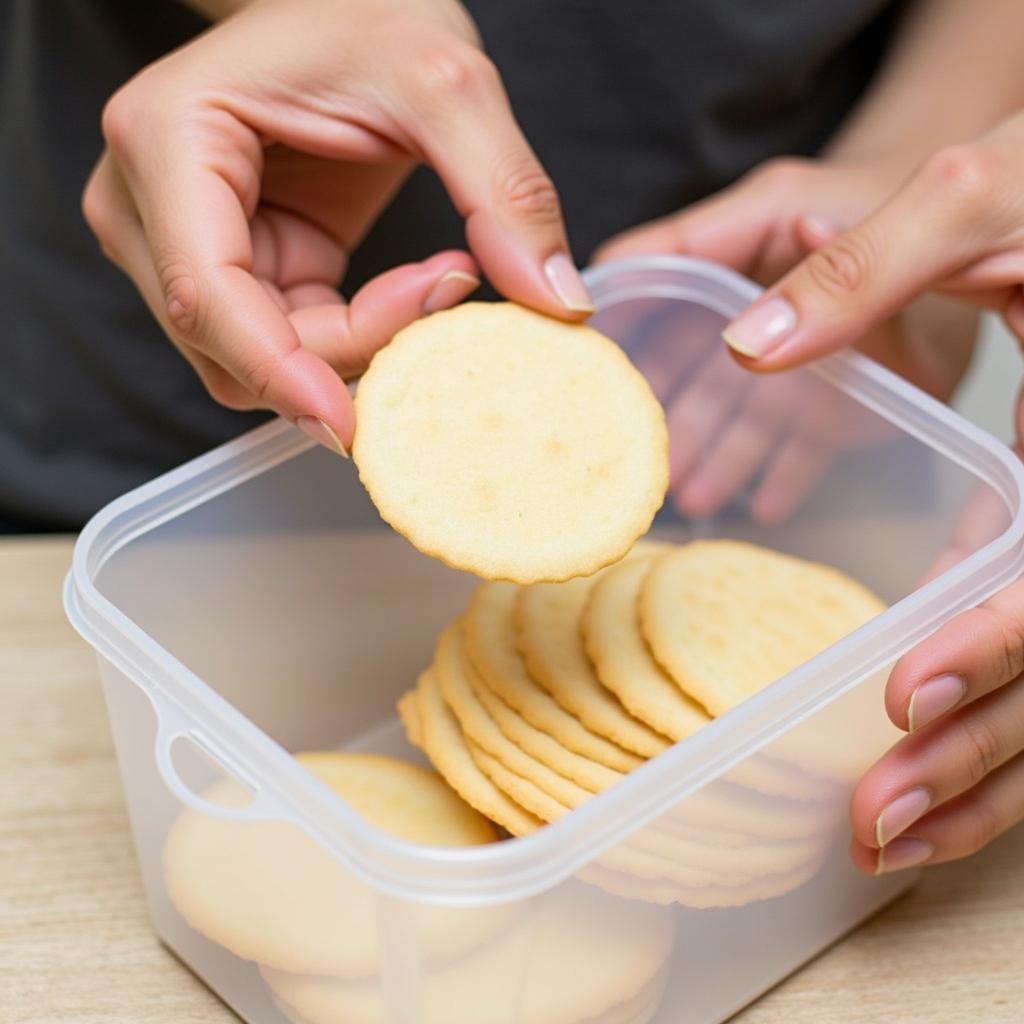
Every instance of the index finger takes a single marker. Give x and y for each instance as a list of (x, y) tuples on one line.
[(945, 218)]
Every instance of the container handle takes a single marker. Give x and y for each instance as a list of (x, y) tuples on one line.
[(170, 730)]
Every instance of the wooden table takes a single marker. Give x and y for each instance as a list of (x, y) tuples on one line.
[(75, 943)]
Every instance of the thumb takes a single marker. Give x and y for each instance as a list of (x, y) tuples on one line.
[(934, 226), (462, 121)]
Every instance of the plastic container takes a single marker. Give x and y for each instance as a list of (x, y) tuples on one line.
[(251, 603)]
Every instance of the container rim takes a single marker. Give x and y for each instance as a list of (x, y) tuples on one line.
[(520, 867)]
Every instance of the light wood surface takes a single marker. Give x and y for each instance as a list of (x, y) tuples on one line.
[(75, 943)]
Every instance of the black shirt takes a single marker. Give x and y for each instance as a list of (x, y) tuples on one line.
[(634, 109)]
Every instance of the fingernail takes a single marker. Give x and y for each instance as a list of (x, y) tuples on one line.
[(934, 698), (761, 328), (450, 290), (903, 853), (323, 434), (899, 814), (567, 284)]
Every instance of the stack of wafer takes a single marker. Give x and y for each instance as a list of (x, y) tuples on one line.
[(541, 696)]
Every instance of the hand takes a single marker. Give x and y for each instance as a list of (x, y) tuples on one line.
[(728, 427), (957, 780), (243, 168)]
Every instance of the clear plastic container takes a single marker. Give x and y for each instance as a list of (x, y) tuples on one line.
[(251, 603)]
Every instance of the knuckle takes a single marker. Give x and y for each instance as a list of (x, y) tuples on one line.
[(120, 114), (845, 266), (182, 296), (526, 190), (452, 70), (98, 215), (960, 175), (1008, 646), (981, 826), (782, 172), (256, 378), (982, 747)]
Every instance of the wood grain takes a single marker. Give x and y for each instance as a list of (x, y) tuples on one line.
[(75, 943)]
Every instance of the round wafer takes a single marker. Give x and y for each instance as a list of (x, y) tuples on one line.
[(493, 438)]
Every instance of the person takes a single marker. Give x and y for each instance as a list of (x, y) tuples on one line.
[(247, 170), (630, 118)]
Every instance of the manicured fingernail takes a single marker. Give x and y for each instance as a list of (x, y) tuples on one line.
[(899, 814), (934, 698), (567, 284), (903, 853), (450, 290), (323, 434), (761, 328)]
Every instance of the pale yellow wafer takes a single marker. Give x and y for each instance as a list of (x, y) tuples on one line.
[(625, 665), (589, 775), (726, 618), (575, 956), (665, 891), (409, 715), (639, 1010), (494, 651), (610, 626), (444, 744), (267, 891), (548, 627), (648, 853), (511, 444), (523, 791), (480, 729)]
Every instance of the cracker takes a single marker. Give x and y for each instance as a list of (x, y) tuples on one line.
[(493, 649), (409, 716), (610, 626), (769, 774), (726, 618), (665, 891), (548, 627), (523, 790), (511, 444), (648, 854), (587, 774), (266, 891), (575, 957), (480, 729), (446, 747)]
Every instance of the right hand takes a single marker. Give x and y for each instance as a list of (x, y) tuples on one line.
[(242, 169)]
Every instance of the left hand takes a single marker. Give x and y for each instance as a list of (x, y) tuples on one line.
[(726, 427), (957, 780)]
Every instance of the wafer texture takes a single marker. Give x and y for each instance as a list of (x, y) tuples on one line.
[(510, 444), (446, 747), (493, 648), (480, 729), (610, 627), (725, 618), (548, 618), (268, 892)]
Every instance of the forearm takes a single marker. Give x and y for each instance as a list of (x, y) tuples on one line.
[(953, 72)]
